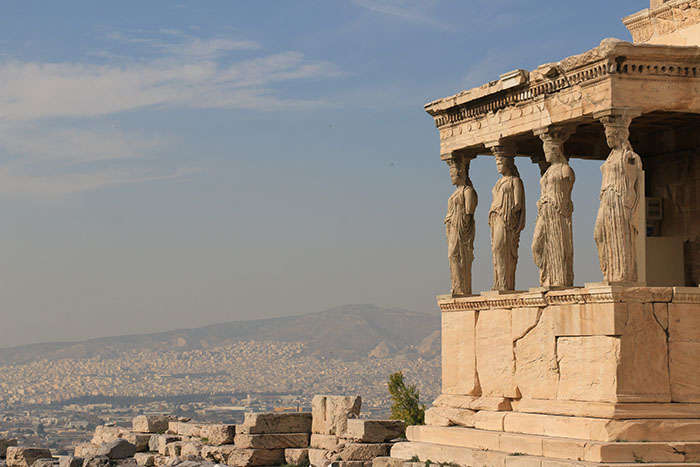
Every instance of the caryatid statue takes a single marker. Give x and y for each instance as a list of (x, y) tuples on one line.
[(506, 219), (553, 241), (615, 230), (459, 225)]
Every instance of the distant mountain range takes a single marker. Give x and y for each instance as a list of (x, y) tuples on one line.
[(348, 332)]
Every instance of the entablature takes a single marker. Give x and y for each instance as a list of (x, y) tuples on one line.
[(650, 78)]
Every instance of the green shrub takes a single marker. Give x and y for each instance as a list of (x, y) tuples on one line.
[(407, 406)]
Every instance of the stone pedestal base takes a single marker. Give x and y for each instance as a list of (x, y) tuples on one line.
[(599, 375), (474, 447)]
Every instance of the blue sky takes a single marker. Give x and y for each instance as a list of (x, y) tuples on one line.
[(173, 164)]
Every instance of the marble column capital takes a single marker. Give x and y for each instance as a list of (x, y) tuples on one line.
[(502, 148), (555, 133)]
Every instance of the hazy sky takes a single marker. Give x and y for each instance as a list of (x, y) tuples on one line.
[(172, 164)]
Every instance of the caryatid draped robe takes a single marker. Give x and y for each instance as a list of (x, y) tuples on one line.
[(507, 220), (553, 240), (459, 228), (615, 230)]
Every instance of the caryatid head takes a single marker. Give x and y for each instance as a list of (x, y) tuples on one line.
[(459, 169), (506, 165), (554, 151), (617, 131)]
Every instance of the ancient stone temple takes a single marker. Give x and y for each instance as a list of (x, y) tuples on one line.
[(559, 374)]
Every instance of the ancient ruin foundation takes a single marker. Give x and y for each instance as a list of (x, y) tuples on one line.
[(605, 373)]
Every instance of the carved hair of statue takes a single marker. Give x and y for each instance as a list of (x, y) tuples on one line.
[(617, 127), (508, 161)]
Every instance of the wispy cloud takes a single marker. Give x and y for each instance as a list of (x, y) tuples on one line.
[(34, 143), (16, 181), (47, 109), (176, 42), (417, 11), (34, 90)]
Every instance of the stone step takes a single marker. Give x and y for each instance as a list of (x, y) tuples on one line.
[(614, 410), (554, 447), (595, 429), (477, 458)]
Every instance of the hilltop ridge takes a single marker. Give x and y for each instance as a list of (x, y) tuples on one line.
[(347, 332)]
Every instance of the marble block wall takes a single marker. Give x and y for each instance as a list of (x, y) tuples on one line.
[(593, 344)]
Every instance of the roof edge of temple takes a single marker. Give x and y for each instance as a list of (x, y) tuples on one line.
[(610, 50)]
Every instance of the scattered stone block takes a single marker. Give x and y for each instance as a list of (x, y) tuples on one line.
[(106, 433), (96, 461), (173, 449), (351, 464), (84, 450), (160, 460), (129, 462), (387, 462), (296, 455), (117, 449), (331, 413), (374, 431), (49, 462), (319, 457), (145, 459), (158, 442), (190, 461), (255, 457), (25, 457), (152, 423), (70, 461), (217, 435), (140, 440), (191, 448), (4, 444), (267, 423), (218, 454), (364, 451), (327, 442), (448, 416), (272, 441), (185, 429)]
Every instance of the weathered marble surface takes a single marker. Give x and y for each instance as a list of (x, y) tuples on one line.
[(507, 220), (620, 197), (553, 241), (459, 226), (600, 343)]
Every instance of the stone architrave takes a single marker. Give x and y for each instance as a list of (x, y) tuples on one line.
[(506, 218), (620, 192), (459, 225), (552, 242)]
